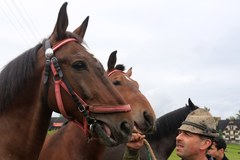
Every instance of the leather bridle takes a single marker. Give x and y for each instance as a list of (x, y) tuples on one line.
[(113, 71), (61, 81)]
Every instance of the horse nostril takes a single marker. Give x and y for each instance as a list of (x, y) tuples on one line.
[(126, 128), (148, 119)]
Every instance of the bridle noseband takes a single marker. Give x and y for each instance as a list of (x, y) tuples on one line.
[(60, 81)]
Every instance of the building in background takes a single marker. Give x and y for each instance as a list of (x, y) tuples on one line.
[(56, 123), (230, 130)]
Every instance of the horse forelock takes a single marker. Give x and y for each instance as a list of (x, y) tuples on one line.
[(16, 74), (120, 67)]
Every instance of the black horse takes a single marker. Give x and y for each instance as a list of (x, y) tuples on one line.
[(163, 140)]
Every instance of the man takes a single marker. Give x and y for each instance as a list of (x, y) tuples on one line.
[(194, 138), (217, 149), (195, 135)]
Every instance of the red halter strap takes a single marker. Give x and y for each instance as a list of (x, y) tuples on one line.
[(59, 82), (109, 109), (113, 71), (63, 42)]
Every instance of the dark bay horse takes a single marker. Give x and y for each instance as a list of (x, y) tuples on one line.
[(70, 142), (58, 75), (163, 140)]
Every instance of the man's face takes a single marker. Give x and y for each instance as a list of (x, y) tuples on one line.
[(188, 144), (213, 151)]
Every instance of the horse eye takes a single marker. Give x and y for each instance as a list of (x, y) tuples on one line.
[(79, 65), (117, 83)]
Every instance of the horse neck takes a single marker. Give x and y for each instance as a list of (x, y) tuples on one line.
[(70, 142), (162, 144), (24, 125)]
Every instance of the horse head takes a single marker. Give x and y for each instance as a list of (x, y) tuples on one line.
[(78, 87), (142, 111)]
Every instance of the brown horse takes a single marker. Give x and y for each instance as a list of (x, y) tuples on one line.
[(64, 78), (163, 140), (70, 142)]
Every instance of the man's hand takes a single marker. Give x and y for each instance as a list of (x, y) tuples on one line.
[(136, 141)]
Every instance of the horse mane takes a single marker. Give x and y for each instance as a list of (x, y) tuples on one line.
[(16, 74), (167, 124)]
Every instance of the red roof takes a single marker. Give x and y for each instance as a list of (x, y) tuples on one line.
[(57, 124)]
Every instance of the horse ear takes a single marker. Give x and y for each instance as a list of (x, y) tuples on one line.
[(112, 61), (129, 72), (81, 30), (190, 103), (62, 23)]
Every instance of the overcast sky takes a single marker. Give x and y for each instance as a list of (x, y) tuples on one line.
[(178, 49)]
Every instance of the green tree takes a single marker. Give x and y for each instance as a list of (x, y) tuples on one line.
[(232, 118)]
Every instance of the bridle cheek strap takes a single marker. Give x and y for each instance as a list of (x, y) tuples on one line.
[(59, 98), (59, 83), (83, 126)]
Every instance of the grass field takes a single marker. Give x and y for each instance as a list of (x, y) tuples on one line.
[(232, 152), (51, 132)]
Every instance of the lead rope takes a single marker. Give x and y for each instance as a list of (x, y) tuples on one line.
[(150, 153)]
